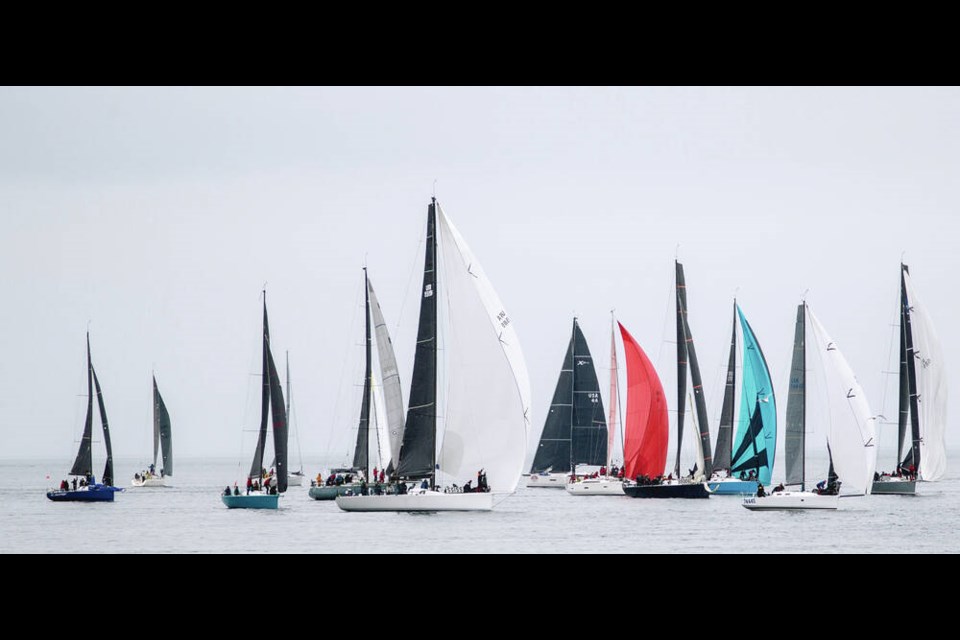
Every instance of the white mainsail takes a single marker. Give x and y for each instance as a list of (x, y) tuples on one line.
[(851, 432), (488, 398), (390, 376), (931, 388)]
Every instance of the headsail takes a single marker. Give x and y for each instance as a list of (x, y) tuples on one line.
[(107, 478), (647, 426), (390, 376), (756, 440), (488, 400)]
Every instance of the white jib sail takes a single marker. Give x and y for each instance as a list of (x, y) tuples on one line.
[(390, 377), (931, 388), (488, 389), (851, 431)]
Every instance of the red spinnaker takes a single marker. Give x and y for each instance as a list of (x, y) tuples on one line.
[(646, 428)]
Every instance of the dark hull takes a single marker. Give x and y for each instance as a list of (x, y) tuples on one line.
[(688, 491), (99, 493)]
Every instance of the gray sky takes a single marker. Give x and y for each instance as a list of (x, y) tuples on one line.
[(156, 215)]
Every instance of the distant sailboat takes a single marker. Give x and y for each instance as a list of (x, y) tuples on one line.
[(851, 432), (575, 431), (295, 477), (368, 430), (675, 486), (270, 486), (751, 454), (84, 487), (923, 399), (487, 390), (162, 442)]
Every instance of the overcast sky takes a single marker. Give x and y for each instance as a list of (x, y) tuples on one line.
[(156, 216)]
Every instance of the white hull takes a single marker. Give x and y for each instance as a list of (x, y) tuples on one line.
[(790, 500), (293, 480), (425, 501), (152, 482), (547, 481), (596, 487)]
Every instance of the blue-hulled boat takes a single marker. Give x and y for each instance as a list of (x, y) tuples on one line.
[(94, 493), (252, 501), (271, 404), (752, 451), (83, 465)]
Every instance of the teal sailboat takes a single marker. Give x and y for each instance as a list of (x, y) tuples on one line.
[(740, 463)]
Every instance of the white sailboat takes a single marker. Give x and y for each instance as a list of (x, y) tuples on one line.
[(487, 390), (295, 477), (850, 428), (609, 484), (923, 399), (162, 442)]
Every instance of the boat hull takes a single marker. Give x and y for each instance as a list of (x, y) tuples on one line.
[(596, 487), (331, 493), (252, 501), (295, 480), (99, 493), (684, 491), (152, 482), (428, 501), (547, 481), (790, 501), (732, 487), (894, 488)]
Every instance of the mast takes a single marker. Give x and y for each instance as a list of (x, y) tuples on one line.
[(796, 406), (612, 419), (418, 453), (361, 455), (83, 465), (691, 353), (724, 449), (573, 393), (913, 457), (256, 467), (681, 303)]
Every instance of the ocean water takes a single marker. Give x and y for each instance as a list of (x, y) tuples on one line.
[(189, 518)]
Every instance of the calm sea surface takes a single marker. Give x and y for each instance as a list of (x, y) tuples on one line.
[(190, 518)]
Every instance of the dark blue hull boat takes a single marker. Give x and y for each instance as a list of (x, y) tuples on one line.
[(692, 490), (96, 493)]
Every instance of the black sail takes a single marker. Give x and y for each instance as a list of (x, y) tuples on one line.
[(681, 299), (575, 431), (913, 457), (280, 432), (588, 431), (108, 467), (257, 465), (83, 465), (361, 454), (162, 432), (698, 398), (721, 453), (796, 406), (554, 451), (418, 450), (904, 384), (754, 431)]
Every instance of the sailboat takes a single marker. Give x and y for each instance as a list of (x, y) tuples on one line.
[(923, 399), (575, 431), (295, 477), (751, 454), (84, 487), (270, 486), (851, 430), (675, 486), (369, 428), (487, 395), (161, 443), (609, 483)]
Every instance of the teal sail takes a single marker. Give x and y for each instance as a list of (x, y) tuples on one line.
[(756, 442)]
